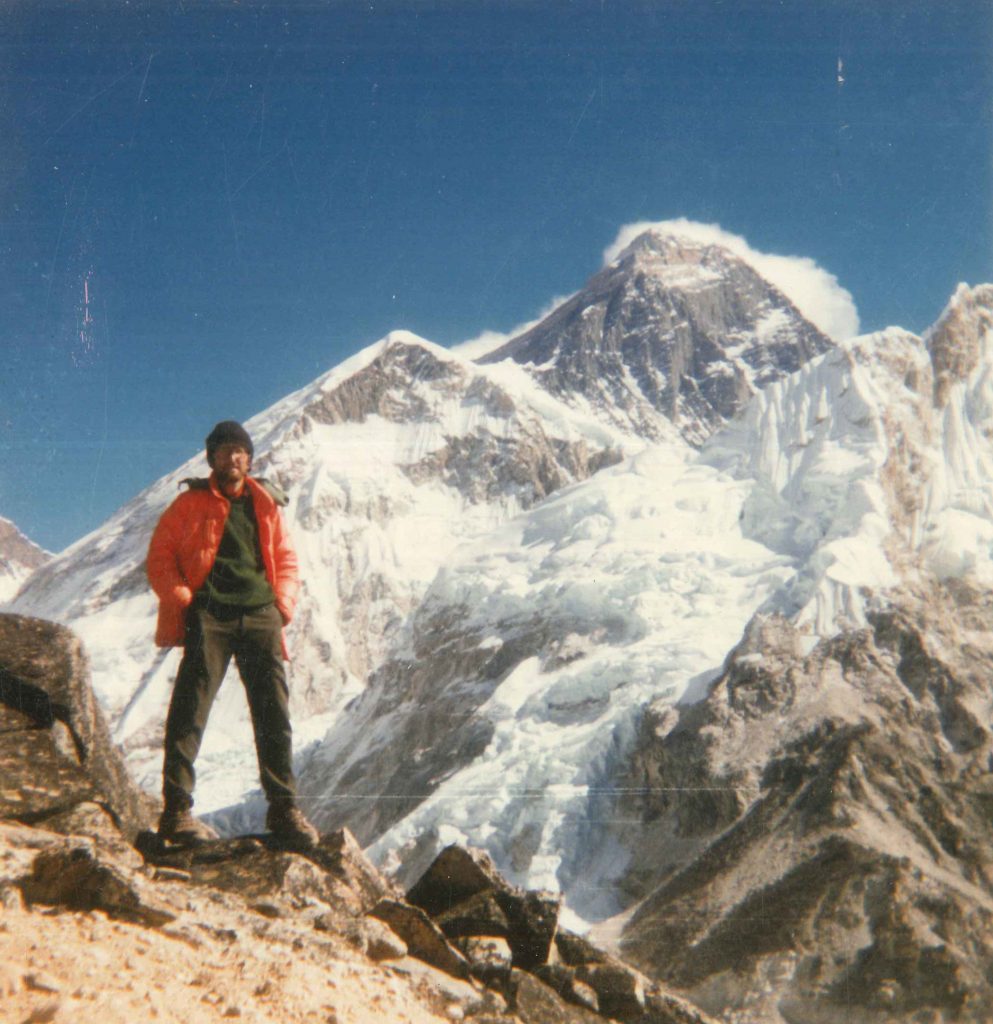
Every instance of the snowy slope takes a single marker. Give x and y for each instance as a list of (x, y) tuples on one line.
[(812, 840), (531, 652)]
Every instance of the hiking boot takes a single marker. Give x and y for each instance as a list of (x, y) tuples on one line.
[(290, 828), (177, 825)]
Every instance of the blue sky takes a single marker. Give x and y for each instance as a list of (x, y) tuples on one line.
[(252, 192)]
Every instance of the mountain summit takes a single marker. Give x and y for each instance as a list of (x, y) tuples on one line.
[(672, 326)]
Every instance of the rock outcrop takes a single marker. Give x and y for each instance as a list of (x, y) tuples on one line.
[(511, 940), (815, 837), (57, 761)]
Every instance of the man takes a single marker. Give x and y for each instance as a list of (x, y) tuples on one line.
[(225, 573)]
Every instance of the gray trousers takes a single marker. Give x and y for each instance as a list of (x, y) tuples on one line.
[(254, 640)]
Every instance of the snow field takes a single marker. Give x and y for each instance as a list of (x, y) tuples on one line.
[(647, 581)]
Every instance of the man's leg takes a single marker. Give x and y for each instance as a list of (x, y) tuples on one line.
[(258, 653), (206, 654)]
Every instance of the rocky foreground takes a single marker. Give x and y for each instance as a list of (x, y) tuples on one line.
[(101, 923)]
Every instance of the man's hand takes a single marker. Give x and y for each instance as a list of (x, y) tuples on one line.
[(183, 596)]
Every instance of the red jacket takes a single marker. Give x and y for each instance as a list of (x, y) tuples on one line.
[(184, 546)]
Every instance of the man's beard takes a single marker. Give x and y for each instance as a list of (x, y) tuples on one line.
[(231, 475)]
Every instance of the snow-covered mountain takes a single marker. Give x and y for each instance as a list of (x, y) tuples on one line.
[(674, 324), (536, 648), (19, 557), (607, 605), (545, 699)]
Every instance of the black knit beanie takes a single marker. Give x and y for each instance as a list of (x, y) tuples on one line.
[(229, 432)]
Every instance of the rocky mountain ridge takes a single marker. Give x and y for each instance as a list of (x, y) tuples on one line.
[(826, 822)]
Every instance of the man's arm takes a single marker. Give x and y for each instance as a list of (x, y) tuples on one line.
[(163, 563), (286, 576)]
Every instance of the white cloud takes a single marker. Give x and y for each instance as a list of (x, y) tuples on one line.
[(812, 289), (490, 341)]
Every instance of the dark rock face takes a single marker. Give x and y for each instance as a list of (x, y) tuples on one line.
[(455, 878), (817, 836), (694, 329), (383, 388), (55, 749), (481, 465)]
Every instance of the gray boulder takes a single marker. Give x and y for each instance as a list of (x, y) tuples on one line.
[(55, 749)]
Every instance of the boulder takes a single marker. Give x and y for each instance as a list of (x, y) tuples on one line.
[(574, 950), (565, 982), (381, 942), (340, 854), (96, 822), (535, 1003), (19, 845), (464, 890), (663, 1007), (533, 918), (366, 934), (74, 874), (424, 939), (55, 748), (489, 956), (479, 915), (455, 875), (620, 989)]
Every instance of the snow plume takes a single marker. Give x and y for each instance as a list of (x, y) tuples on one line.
[(813, 290)]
